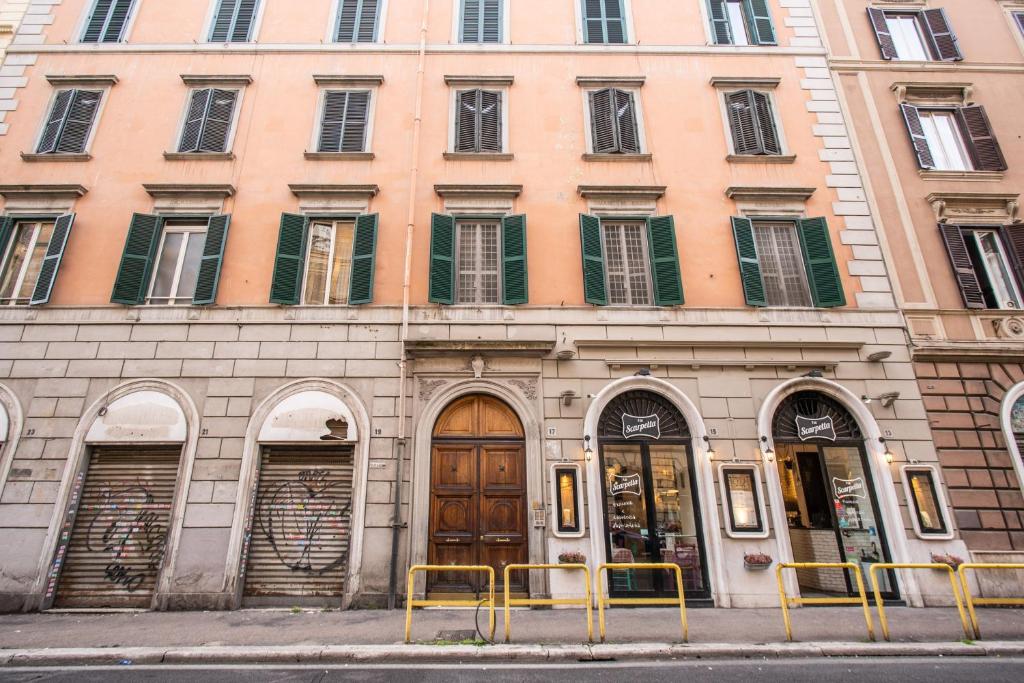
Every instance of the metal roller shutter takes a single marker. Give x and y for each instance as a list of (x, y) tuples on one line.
[(118, 530), (297, 548)]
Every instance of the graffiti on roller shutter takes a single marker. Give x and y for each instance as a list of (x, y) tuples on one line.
[(297, 517), (127, 526)]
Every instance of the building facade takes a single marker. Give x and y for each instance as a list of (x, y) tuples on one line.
[(934, 88), (298, 299), (11, 14)]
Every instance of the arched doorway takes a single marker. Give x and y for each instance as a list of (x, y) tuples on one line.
[(829, 494), (477, 495), (650, 495)]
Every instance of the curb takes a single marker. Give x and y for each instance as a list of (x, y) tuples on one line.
[(370, 654)]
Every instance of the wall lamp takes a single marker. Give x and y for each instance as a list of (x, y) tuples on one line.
[(768, 452), (710, 449), (886, 400), (588, 452), (567, 397), (889, 457)]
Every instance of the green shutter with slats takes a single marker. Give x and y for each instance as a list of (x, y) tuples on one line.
[(364, 259), (137, 260), (213, 258), (442, 259), (720, 22), (822, 270), (51, 261), (515, 285), (6, 231), (750, 266), (665, 275), (594, 290), (759, 19), (290, 260)]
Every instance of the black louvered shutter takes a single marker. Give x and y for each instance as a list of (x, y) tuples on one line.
[(233, 21), (1013, 237), (97, 21), (759, 16), (963, 268), (332, 126), (212, 261), (223, 20), (244, 17), (1019, 16), (603, 21), (51, 261), (369, 12), (947, 47), (74, 136), (742, 121), (364, 259), (822, 269), (917, 138), (882, 33), (665, 271), (137, 260), (51, 133), (357, 21), (290, 260), (720, 22), (107, 22), (767, 134), (489, 126), (217, 124), (481, 21), (602, 121), (514, 272), (357, 109), (7, 224), (981, 141), (193, 129), (442, 259), (625, 123), (594, 289), (750, 265), (468, 106)]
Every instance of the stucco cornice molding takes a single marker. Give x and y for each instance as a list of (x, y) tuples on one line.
[(610, 81), (424, 348), (975, 207), (847, 64), (87, 80), (768, 194), (622, 192), (349, 80), (70, 191), (181, 190), (203, 80), (322, 191), (900, 4), (478, 80), (496, 191), (924, 92), (755, 83)]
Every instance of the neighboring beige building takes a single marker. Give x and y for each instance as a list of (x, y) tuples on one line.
[(538, 276), (935, 90)]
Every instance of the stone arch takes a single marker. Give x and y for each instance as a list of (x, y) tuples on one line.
[(185, 431), (1015, 446), (699, 449), (11, 423), (349, 407)]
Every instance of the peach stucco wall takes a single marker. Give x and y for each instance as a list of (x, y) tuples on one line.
[(681, 112)]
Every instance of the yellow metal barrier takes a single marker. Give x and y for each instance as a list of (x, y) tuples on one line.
[(891, 565), (972, 601), (410, 603), (603, 601), (521, 602), (786, 601)]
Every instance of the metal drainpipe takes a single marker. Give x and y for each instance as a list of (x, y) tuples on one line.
[(403, 364)]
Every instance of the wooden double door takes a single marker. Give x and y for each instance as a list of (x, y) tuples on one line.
[(477, 496)]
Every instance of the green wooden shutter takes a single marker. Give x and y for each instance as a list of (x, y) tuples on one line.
[(442, 259), (750, 265), (515, 286), (137, 260), (213, 257), (290, 260), (720, 22), (594, 290), (822, 270), (52, 259), (364, 259), (7, 224), (665, 275), (759, 19)]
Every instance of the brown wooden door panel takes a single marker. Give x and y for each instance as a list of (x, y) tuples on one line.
[(498, 555), (454, 517), (498, 421), (453, 582), (454, 468), (502, 516), (502, 468)]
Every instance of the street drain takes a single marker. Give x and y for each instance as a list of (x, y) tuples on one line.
[(456, 636)]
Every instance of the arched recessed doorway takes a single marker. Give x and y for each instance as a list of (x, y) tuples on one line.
[(829, 494), (650, 496), (477, 495)]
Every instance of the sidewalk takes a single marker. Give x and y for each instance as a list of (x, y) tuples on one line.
[(283, 635)]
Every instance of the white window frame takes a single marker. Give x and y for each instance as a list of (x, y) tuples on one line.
[(104, 93), (382, 13), (627, 10), (918, 18), (775, 218), (940, 495), (9, 250), (972, 234), (334, 220), (780, 132), (184, 225), (83, 23), (506, 16), (453, 113), (936, 143), (580, 509), (645, 249), (1015, 28), (759, 493), (744, 24), (254, 34), (638, 109), (1005, 415), (477, 219), (229, 141), (314, 139)]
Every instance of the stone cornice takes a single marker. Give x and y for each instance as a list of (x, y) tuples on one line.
[(178, 190), (421, 348), (760, 194), (87, 80), (349, 81), (507, 191), (610, 81), (478, 80), (967, 207), (762, 83), (205, 80), (41, 191), (649, 192), (336, 191)]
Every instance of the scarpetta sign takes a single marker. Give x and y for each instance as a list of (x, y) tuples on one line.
[(815, 428), (648, 426)]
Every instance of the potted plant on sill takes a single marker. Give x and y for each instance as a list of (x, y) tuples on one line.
[(572, 557), (757, 561), (947, 558)]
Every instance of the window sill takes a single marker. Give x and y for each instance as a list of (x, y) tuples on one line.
[(761, 158), (970, 176), (478, 156), (617, 157), (199, 156), (25, 156), (339, 156)]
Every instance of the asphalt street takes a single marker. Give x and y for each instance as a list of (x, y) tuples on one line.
[(866, 670)]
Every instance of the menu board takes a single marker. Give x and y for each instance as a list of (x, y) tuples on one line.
[(741, 492)]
